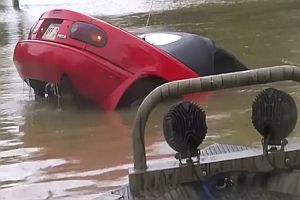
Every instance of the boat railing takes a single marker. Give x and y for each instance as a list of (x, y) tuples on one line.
[(209, 83), (144, 177)]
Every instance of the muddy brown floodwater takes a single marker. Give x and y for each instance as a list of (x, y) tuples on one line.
[(78, 154)]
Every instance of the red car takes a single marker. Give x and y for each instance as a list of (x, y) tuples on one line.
[(68, 52)]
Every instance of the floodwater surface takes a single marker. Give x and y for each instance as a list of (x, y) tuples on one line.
[(46, 153)]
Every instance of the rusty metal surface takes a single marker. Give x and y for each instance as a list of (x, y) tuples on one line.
[(208, 83)]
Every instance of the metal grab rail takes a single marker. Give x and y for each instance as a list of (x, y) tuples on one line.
[(208, 83)]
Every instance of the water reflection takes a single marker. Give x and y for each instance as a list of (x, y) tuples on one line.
[(45, 153), (259, 33)]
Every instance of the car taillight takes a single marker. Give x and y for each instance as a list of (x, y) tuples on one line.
[(88, 33)]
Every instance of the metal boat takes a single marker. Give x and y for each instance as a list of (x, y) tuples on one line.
[(220, 171)]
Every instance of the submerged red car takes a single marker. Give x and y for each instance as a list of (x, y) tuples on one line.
[(69, 52)]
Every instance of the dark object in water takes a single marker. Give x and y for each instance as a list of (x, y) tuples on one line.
[(16, 4)]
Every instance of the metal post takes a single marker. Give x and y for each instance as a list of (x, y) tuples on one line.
[(16, 4)]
